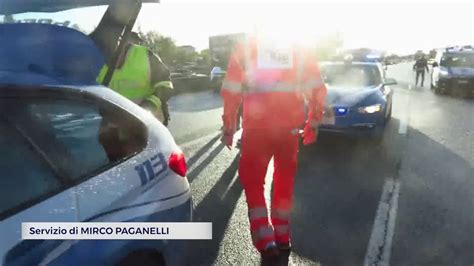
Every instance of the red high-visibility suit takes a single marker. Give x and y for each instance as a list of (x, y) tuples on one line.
[(272, 86)]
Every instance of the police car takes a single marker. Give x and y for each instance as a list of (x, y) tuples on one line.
[(75, 151), (453, 70), (359, 99)]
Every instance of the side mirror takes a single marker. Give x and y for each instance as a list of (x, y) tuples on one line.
[(435, 64), (390, 81)]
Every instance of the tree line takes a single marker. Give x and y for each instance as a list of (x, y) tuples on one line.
[(170, 53)]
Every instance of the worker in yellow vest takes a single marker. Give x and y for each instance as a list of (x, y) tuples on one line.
[(142, 77)]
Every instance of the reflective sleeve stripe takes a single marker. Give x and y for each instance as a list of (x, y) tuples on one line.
[(281, 214), (155, 101), (300, 68), (247, 58), (232, 86), (311, 84), (257, 213), (274, 87), (167, 84), (262, 232), (282, 229)]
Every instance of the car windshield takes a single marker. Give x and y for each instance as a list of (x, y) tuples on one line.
[(351, 75), (458, 60), (275, 132)]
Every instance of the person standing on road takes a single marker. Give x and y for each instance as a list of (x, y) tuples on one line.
[(420, 66), (272, 84), (140, 75)]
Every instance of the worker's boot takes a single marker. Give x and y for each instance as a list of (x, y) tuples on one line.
[(270, 255), (284, 247)]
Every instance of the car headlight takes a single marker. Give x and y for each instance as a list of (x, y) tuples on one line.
[(370, 109)]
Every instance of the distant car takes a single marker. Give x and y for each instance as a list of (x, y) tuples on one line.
[(217, 76), (185, 80), (359, 100), (76, 151), (453, 70)]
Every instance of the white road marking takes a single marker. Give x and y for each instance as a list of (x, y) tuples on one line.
[(380, 243), (402, 130), (231, 184), (405, 117)]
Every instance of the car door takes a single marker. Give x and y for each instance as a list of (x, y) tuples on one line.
[(97, 146), (125, 138), (31, 188), (98, 149)]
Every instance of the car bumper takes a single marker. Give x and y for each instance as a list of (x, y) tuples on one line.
[(356, 125), (356, 130), (463, 84)]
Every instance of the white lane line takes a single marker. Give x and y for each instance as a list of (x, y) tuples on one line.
[(405, 117), (380, 243), (231, 184), (402, 130)]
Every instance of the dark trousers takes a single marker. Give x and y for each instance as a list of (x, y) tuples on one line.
[(418, 74)]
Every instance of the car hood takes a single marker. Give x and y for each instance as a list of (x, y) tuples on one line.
[(461, 71), (43, 52), (9, 7), (345, 96)]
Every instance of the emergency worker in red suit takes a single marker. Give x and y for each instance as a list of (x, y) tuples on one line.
[(272, 83)]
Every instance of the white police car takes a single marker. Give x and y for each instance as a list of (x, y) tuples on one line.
[(453, 69), (75, 151)]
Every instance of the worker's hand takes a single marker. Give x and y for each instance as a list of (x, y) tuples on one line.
[(310, 133), (227, 139)]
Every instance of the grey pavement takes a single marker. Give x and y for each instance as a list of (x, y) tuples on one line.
[(340, 182)]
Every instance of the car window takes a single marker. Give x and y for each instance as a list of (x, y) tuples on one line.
[(25, 175), (81, 138), (351, 75), (458, 60)]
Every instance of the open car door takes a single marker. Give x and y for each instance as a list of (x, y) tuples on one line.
[(10, 7)]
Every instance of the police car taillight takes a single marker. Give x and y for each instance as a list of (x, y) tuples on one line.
[(177, 163)]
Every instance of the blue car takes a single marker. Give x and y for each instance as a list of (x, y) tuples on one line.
[(359, 100), (73, 150)]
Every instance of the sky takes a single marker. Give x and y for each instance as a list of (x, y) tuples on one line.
[(401, 26)]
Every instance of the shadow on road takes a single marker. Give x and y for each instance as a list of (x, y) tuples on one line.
[(199, 168), (202, 150), (435, 220), (336, 195), (338, 188), (213, 208)]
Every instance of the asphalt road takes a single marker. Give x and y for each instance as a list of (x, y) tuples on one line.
[(408, 201)]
